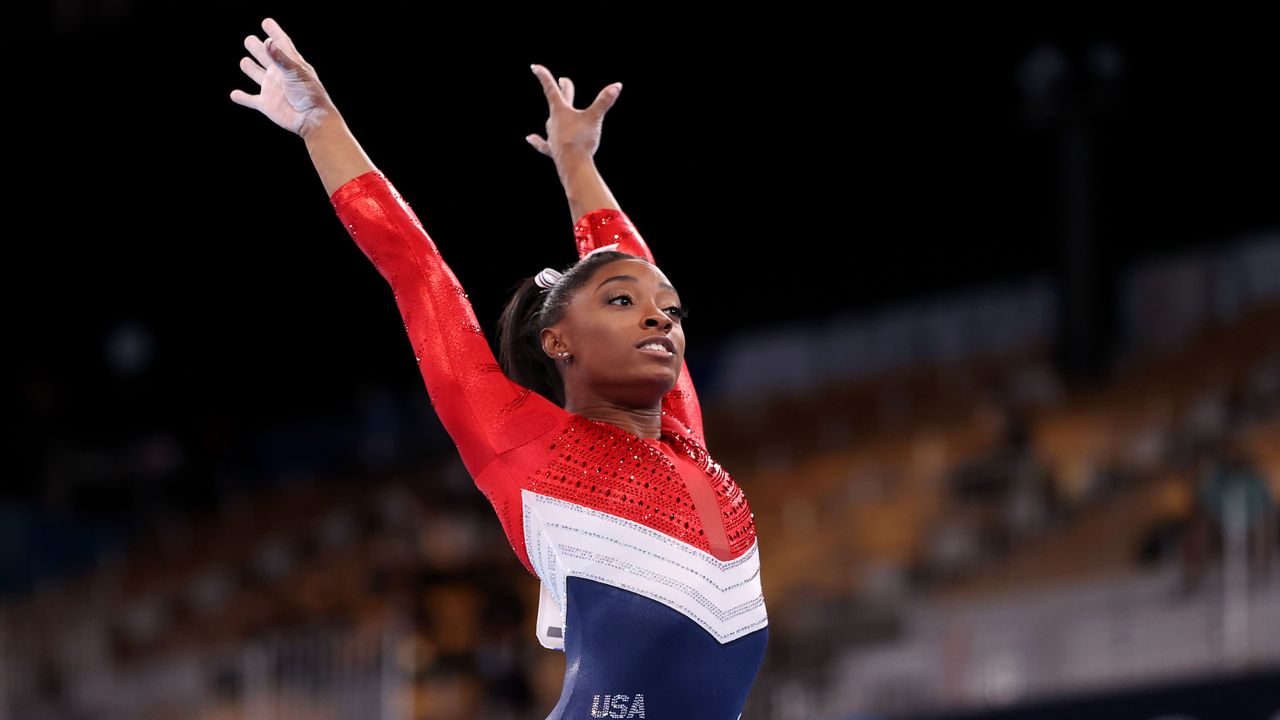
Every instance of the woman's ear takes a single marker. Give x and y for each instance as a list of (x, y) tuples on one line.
[(552, 345)]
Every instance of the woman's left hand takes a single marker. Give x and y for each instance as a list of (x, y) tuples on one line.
[(570, 131)]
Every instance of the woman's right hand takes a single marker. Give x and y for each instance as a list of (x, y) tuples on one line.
[(290, 91)]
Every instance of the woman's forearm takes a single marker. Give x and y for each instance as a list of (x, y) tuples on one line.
[(334, 151), (584, 188)]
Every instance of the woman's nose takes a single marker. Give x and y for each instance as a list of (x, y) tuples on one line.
[(656, 318)]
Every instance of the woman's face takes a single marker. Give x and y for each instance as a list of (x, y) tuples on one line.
[(624, 306)]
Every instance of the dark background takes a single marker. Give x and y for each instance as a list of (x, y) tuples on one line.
[(785, 165)]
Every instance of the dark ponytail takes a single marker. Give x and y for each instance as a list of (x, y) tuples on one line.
[(532, 308)]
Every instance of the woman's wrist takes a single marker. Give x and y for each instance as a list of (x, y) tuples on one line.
[(572, 161), (323, 120), (334, 151), (584, 188)]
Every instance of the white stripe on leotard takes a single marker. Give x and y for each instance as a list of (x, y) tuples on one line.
[(564, 539)]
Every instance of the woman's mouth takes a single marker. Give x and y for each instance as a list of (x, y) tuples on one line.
[(655, 349), (658, 346)]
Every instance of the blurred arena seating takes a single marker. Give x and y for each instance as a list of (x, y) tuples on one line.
[(891, 504)]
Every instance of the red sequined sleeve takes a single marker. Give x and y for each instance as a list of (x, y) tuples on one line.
[(605, 227), (482, 409)]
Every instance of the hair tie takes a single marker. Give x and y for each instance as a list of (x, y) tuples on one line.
[(550, 276)]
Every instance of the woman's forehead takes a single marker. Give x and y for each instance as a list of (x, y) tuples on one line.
[(638, 268)]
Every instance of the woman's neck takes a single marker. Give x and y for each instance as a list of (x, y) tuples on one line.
[(645, 422)]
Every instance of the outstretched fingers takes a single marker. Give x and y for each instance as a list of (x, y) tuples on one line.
[(252, 69), (277, 48), (258, 50), (277, 33), (551, 89), (241, 97), (605, 100), (570, 126), (539, 144)]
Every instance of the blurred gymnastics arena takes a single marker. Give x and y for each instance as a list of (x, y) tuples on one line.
[(985, 321)]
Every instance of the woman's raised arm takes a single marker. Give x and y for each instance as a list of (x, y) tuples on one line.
[(483, 411), (573, 136)]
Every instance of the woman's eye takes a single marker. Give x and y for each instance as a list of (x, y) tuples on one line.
[(675, 310)]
